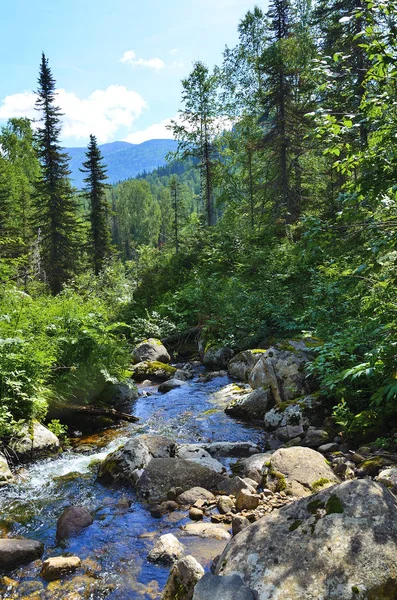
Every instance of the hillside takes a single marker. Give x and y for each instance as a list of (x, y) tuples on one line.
[(124, 160)]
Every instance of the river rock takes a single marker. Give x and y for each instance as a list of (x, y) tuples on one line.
[(34, 439), (241, 365), (213, 587), (217, 358), (289, 432), (121, 464), (5, 473), (298, 471), (315, 437), (159, 446), (339, 544), (246, 500), (171, 384), (167, 550), (183, 374), (253, 466), (225, 504), (206, 530), (231, 486), (162, 474), (152, 350), (197, 454), (183, 577), (251, 407), (388, 477), (14, 552), (196, 514), (118, 394), (283, 371), (152, 370), (292, 415), (196, 493), (231, 448), (239, 522), (72, 521), (58, 566)]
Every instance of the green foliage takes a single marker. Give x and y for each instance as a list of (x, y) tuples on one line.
[(58, 429)]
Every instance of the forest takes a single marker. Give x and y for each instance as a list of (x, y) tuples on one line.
[(276, 217)]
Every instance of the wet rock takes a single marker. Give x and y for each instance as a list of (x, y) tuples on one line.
[(5, 474), (252, 466), (207, 377), (167, 550), (196, 493), (217, 358), (72, 521), (211, 587), (197, 454), (251, 407), (241, 365), (225, 504), (340, 544), (153, 370), (232, 486), (239, 523), (59, 566), (171, 384), (315, 437), (246, 500), (121, 464), (150, 350), (34, 439), (183, 374), (206, 530), (15, 552), (231, 448), (162, 474), (299, 471), (196, 514), (159, 446), (183, 577), (326, 448)]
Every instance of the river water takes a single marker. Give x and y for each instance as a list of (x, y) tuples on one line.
[(114, 548)]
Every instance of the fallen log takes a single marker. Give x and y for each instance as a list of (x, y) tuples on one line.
[(96, 411)]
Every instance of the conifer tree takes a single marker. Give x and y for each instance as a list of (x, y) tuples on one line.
[(54, 202), (95, 192)]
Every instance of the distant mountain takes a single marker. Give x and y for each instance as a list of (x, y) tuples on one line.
[(123, 160)]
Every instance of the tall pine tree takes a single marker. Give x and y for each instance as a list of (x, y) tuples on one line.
[(95, 192), (54, 201)]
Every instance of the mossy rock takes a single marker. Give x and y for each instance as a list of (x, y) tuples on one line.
[(152, 369)]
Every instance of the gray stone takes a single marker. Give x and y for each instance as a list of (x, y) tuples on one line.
[(289, 432), (59, 566), (217, 358), (159, 446), (338, 545), (241, 365), (315, 437), (239, 523), (233, 485), (331, 447), (171, 384), (162, 474), (152, 370), (246, 500), (167, 550), (251, 407), (290, 416), (72, 521), (118, 394), (253, 466), (196, 514), (151, 349), (183, 577), (213, 587), (231, 448), (225, 504), (34, 439), (299, 471), (5, 473), (206, 530), (197, 454), (183, 374), (16, 552), (122, 464), (196, 493)]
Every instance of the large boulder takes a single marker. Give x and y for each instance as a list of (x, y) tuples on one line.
[(306, 411), (200, 456), (340, 544), (5, 474), (123, 464), (166, 551), (183, 577), (253, 466), (251, 407), (72, 521), (34, 439), (171, 384), (213, 587), (162, 474), (241, 365), (152, 370), (298, 471), (118, 394), (14, 552), (282, 369), (191, 496), (217, 358), (151, 349)]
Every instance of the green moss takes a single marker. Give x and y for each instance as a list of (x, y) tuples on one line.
[(257, 351), (281, 483), (334, 505), (355, 589), (210, 411), (320, 483), (287, 347), (374, 464), (295, 525), (315, 505)]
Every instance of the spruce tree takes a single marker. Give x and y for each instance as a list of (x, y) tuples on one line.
[(95, 192), (54, 202)]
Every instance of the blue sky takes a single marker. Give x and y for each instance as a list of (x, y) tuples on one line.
[(118, 63)]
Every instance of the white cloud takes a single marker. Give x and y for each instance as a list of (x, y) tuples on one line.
[(130, 58), (103, 113), (174, 51), (157, 131)]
